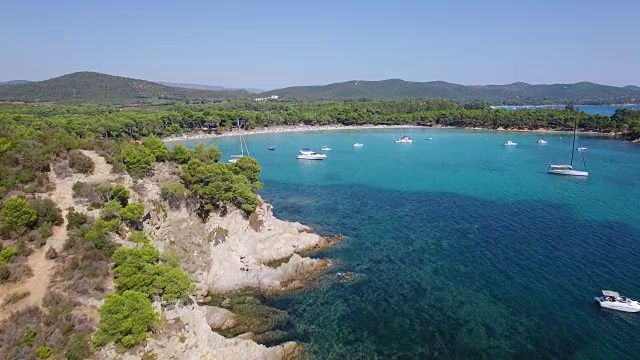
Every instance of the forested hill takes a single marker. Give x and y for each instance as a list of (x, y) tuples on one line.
[(516, 93), (96, 88)]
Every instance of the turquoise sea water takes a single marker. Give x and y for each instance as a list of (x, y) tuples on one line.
[(462, 248)]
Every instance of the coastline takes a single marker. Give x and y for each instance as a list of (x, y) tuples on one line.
[(306, 128)]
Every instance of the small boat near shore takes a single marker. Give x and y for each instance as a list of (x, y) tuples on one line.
[(613, 300), (542, 142), (271, 148), (510, 143), (306, 154), (358, 145)]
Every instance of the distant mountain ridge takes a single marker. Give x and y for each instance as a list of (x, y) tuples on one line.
[(207, 87), (515, 93), (97, 88), (14, 82)]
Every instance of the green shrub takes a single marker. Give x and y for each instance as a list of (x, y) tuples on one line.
[(16, 215), (157, 147), (125, 319), (137, 159), (111, 210), (173, 194), (248, 167), (149, 355), (80, 162), (75, 220), (142, 270), (120, 194), (45, 231), (31, 188), (47, 211), (44, 352), (28, 336), (132, 213), (207, 154), (180, 155), (78, 348), (107, 226), (5, 272), (98, 235), (139, 237), (216, 185), (8, 254)]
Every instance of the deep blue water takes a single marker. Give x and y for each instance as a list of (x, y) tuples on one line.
[(606, 110), (462, 248)]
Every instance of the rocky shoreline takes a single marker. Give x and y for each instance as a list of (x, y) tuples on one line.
[(235, 261)]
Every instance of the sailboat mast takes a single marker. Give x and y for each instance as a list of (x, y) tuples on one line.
[(575, 125)]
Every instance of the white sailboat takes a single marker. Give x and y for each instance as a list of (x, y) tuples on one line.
[(243, 145), (567, 169)]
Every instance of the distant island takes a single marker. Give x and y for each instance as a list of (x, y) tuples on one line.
[(97, 88)]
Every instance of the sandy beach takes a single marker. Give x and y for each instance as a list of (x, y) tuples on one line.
[(284, 129), (303, 128)]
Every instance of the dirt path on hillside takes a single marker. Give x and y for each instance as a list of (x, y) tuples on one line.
[(43, 267)]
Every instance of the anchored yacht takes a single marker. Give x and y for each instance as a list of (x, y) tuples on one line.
[(542, 142), (306, 154), (613, 300), (510, 143), (567, 169), (403, 140), (325, 148), (358, 145)]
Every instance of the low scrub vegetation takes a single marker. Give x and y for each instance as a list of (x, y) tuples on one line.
[(174, 194), (80, 162), (51, 331)]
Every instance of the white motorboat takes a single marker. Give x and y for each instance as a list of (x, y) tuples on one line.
[(325, 148), (306, 154), (567, 169), (358, 145), (429, 138), (510, 143), (403, 140), (542, 142), (582, 148), (613, 300)]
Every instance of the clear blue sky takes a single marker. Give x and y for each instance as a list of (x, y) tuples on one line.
[(272, 44)]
